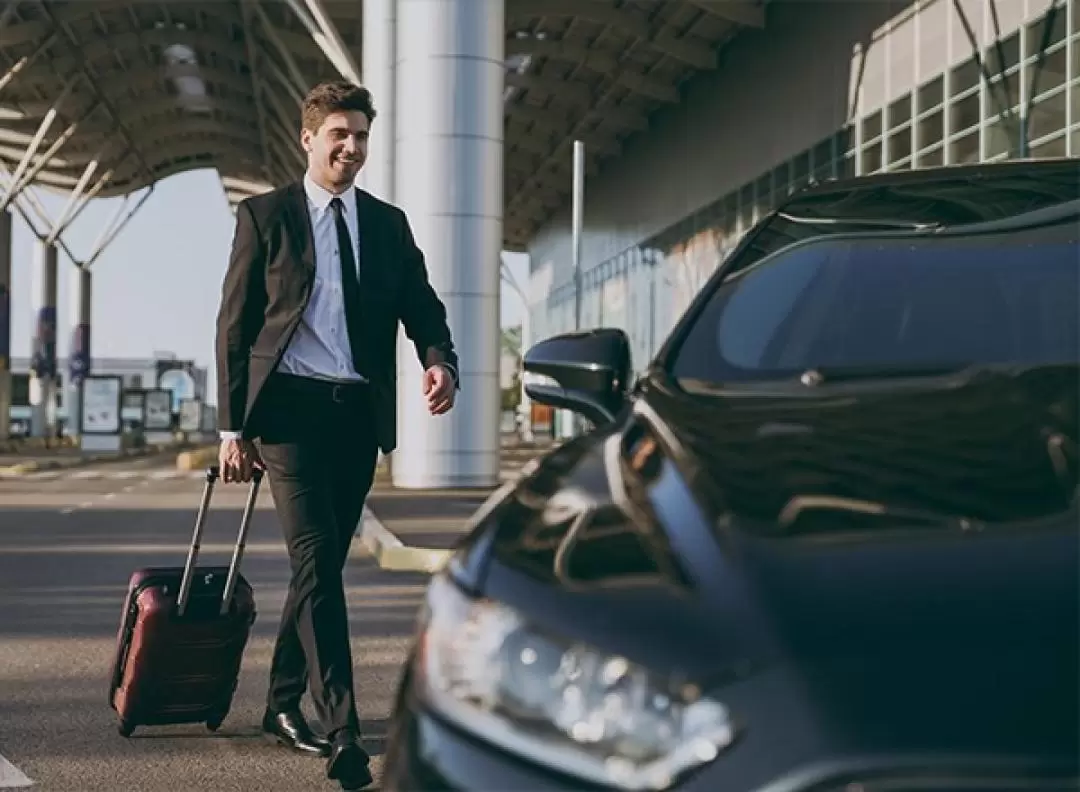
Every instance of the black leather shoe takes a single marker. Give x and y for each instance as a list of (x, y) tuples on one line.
[(291, 730), (348, 762)]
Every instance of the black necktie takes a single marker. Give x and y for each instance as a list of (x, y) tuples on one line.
[(349, 283)]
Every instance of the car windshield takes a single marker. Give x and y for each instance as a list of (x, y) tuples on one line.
[(892, 302)]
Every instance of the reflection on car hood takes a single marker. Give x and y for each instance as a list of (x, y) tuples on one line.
[(672, 522), (994, 447)]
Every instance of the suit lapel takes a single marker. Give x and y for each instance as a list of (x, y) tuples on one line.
[(300, 231), (368, 228)]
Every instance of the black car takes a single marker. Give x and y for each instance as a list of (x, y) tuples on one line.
[(827, 541)]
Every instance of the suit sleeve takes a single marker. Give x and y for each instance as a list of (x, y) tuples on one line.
[(423, 314), (240, 317)]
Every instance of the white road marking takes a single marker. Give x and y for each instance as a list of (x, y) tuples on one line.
[(11, 776)]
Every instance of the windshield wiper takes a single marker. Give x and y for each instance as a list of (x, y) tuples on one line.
[(801, 504)]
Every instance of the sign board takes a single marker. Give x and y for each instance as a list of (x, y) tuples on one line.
[(101, 403), (190, 415), (157, 410), (180, 383)]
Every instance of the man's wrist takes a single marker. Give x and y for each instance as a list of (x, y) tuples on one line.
[(450, 370)]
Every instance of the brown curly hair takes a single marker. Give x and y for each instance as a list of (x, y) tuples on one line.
[(334, 97)]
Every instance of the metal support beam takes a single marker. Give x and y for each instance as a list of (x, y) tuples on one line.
[(1012, 123), (1048, 31), (27, 196), (295, 78), (5, 322), (26, 60), (116, 225), (99, 185), (17, 181), (47, 157), (73, 197), (322, 31), (577, 224)]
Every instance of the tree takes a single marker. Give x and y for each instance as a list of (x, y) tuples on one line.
[(510, 341), (510, 345)]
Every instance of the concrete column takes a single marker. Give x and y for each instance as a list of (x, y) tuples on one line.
[(378, 73), (379, 47), (449, 180), (5, 323), (43, 354), (79, 360)]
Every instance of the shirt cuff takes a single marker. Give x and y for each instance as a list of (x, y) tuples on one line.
[(226, 434)]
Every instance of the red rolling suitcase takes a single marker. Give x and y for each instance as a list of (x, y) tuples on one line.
[(182, 635)]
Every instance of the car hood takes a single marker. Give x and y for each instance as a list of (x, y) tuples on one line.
[(671, 519)]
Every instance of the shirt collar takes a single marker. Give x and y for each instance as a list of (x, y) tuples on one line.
[(320, 197)]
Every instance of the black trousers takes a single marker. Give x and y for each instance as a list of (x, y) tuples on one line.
[(318, 443)]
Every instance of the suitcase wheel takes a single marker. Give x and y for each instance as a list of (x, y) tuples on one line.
[(126, 728)]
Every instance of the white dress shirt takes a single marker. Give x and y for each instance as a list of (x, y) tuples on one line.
[(320, 347)]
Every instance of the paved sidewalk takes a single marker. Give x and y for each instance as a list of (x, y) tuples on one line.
[(32, 461)]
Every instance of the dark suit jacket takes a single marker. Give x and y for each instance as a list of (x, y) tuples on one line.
[(268, 284)]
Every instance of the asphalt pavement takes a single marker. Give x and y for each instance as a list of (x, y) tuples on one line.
[(69, 541)]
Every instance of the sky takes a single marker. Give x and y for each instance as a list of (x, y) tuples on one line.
[(156, 287)]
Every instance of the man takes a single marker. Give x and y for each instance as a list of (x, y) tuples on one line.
[(319, 276)]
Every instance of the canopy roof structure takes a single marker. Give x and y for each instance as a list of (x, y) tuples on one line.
[(108, 97)]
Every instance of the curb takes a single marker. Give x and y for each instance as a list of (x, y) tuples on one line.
[(22, 468), (391, 553), (197, 458)]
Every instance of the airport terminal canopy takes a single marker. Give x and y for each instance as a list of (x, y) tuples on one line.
[(106, 97)]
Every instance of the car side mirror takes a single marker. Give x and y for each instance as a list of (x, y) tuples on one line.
[(592, 370)]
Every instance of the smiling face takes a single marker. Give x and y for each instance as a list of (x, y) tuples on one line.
[(337, 149), (336, 122)]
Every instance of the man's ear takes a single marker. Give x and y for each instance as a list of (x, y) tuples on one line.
[(305, 140)]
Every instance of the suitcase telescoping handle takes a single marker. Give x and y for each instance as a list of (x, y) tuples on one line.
[(212, 475)]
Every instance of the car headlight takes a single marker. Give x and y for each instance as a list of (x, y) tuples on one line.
[(562, 704)]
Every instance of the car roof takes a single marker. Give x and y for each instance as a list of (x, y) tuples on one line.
[(948, 195)]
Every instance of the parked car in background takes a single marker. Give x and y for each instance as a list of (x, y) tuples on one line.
[(828, 541)]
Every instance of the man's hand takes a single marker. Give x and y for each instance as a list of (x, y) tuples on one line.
[(439, 389), (238, 460)]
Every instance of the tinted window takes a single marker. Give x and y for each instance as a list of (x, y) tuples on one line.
[(893, 302)]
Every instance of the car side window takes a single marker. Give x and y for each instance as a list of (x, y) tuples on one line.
[(765, 297)]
